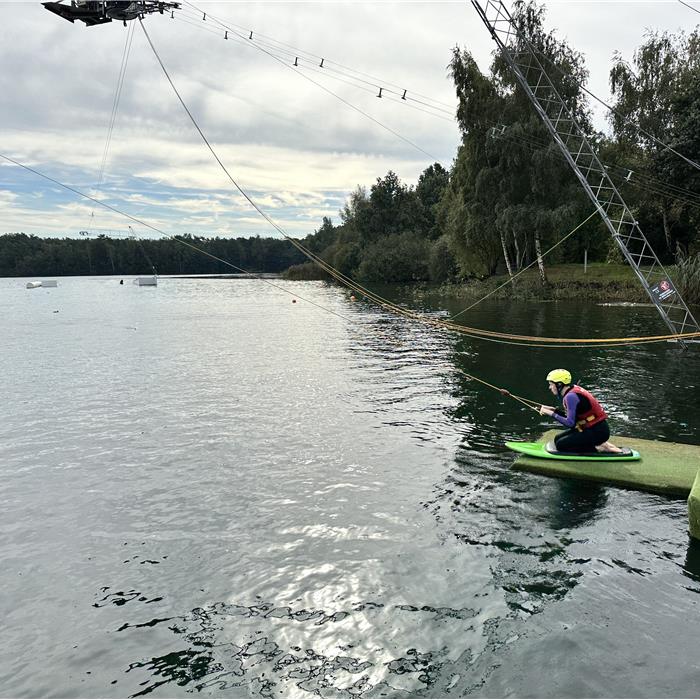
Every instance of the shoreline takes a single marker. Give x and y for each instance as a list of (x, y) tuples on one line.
[(601, 283)]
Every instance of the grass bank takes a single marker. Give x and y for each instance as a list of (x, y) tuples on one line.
[(601, 282)]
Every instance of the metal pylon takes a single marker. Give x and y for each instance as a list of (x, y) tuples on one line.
[(571, 139)]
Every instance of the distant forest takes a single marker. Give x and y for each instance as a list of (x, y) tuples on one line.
[(33, 256), (508, 195)]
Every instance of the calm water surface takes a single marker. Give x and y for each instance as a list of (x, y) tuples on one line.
[(209, 490)]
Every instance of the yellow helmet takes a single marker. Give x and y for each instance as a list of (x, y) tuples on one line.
[(559, 375)]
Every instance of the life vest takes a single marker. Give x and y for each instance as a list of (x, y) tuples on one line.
[(589, 411)]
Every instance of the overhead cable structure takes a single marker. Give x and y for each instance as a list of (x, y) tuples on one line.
[(93, 12), (562, 124)]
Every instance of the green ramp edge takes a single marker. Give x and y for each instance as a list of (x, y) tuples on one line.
[(694, 509)]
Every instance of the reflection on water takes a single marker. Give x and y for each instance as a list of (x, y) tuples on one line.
[(269, 665), (206, 489), (574, 504), (691, 567)]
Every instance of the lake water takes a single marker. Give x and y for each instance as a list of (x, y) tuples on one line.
[(207, 489)]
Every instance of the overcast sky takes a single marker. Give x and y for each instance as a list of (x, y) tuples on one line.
[(296, 149)]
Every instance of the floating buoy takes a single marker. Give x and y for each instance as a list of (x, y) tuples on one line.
[(353, 297), (294, 301)]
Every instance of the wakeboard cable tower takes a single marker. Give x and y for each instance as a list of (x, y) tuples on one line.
[(94, 12), (522, 58)]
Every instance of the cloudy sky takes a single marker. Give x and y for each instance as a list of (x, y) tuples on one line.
[(295, 138)]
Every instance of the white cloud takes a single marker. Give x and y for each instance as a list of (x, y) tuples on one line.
[(7, 197)]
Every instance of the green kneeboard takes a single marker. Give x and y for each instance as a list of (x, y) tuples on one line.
[(539, 449)]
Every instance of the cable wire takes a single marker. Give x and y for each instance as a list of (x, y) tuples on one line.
[(344, 101), (253, 36), (694, 9), (115, 103)]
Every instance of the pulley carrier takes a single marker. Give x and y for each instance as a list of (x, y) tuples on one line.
[(94, 12)]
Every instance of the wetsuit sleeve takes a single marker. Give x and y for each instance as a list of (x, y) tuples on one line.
[(571, 404)]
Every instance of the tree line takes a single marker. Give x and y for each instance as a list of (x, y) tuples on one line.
[(33, 256), (508, 195)]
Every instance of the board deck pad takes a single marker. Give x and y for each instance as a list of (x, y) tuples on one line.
[(662, 467), (625, 454)]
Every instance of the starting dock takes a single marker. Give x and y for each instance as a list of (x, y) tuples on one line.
[(665, 467)]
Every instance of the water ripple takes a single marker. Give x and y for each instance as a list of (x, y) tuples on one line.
[(207, 489)]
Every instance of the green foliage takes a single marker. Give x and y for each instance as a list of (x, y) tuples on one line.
[(469, 221), (442, 266), (644, 91), (509, 187), (431, 186), (660, 92), (346, 257), (565, 66), (687, 279), (399, 257), (601, 283), (386, 235), (321, 238), (305, 271)]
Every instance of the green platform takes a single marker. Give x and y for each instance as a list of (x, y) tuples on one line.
[(694, 509), (665, 467)]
